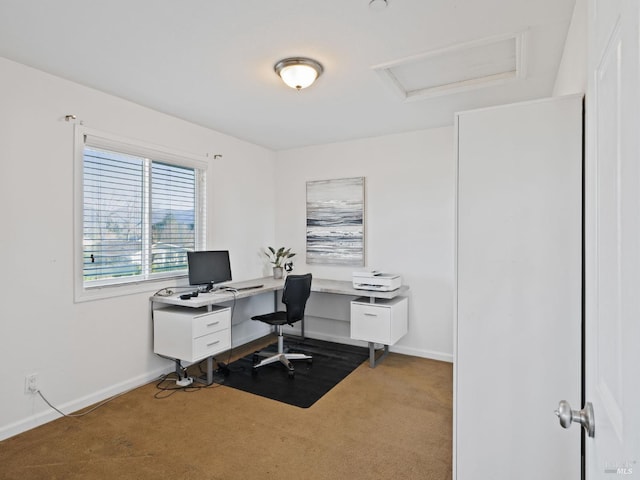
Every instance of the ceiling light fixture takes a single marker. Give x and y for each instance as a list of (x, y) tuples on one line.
[(298, 72)]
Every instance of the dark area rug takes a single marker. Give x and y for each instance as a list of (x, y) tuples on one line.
[(331, 363)]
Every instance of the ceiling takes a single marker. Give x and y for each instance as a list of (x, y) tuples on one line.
[(211, 61)]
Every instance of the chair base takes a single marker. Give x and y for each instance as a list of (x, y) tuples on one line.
[(282, 356)]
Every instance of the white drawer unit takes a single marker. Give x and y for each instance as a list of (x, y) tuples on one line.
[(385, 321), (191, 334)]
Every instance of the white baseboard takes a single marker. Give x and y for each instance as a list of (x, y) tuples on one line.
[(78, 404), (415, 352), (440, 356), (48, 415)]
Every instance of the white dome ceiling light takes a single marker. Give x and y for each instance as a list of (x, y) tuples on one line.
[(298, 72)]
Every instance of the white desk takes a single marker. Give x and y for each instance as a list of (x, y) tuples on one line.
[(217, 297), (377, 317), (269, 284)]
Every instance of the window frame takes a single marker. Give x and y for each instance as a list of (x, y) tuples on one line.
[(84, 136)]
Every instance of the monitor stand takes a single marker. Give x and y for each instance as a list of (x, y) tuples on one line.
[(212, 287)]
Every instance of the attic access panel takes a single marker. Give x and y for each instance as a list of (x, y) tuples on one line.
[(456, 69)]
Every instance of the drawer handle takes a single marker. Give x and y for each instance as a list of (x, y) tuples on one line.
[(370, 315), (213, 323), (212, 343)]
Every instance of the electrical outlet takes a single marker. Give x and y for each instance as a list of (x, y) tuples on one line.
[(31, 383)]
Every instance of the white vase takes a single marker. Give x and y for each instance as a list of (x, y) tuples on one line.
[(277, 272)]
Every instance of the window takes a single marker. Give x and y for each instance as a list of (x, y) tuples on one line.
[(142, 209)]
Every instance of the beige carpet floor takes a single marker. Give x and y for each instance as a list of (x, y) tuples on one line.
[(391, 422)]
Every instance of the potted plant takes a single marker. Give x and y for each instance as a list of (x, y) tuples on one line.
[(277, 258)]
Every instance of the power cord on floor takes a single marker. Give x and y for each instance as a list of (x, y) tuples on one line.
[(163, 378), (92, 409), (166, 390)]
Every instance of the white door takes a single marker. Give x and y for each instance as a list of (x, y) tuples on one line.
[(518, 305), (613, 240)]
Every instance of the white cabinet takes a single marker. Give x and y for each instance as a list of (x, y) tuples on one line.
[(385, 321), (191, 334)]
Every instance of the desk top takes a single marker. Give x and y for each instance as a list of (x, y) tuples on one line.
[(269, 284), (341, 287)]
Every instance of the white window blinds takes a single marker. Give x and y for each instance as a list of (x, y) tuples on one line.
[(142, 211)]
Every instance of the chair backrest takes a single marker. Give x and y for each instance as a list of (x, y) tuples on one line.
[(297, 289)]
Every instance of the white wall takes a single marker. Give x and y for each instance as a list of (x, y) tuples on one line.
[(409, 183), (84, 352), (572, 73), (88, 351)]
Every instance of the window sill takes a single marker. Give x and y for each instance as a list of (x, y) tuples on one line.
[(83, 294)]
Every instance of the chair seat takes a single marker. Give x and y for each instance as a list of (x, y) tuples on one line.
[(275, 318)]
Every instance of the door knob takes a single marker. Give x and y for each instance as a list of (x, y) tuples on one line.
[(584, 417)]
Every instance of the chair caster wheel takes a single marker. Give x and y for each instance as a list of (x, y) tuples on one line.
[(291, 373), (309, 361), (254, 372)]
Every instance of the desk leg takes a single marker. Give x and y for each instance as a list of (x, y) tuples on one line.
[(209, 380), (209, 370), (373, 361)]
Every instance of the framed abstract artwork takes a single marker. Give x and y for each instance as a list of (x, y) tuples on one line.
[(335, 221)]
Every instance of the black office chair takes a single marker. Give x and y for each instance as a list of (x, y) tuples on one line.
[(297, 289)]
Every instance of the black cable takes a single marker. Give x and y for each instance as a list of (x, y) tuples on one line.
[(167, 291), (162, 394), (233, 309), (234, 292)]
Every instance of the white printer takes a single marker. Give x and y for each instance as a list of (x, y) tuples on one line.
[(375, 280)]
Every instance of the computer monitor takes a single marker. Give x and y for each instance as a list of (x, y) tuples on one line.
[(208, 268)]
